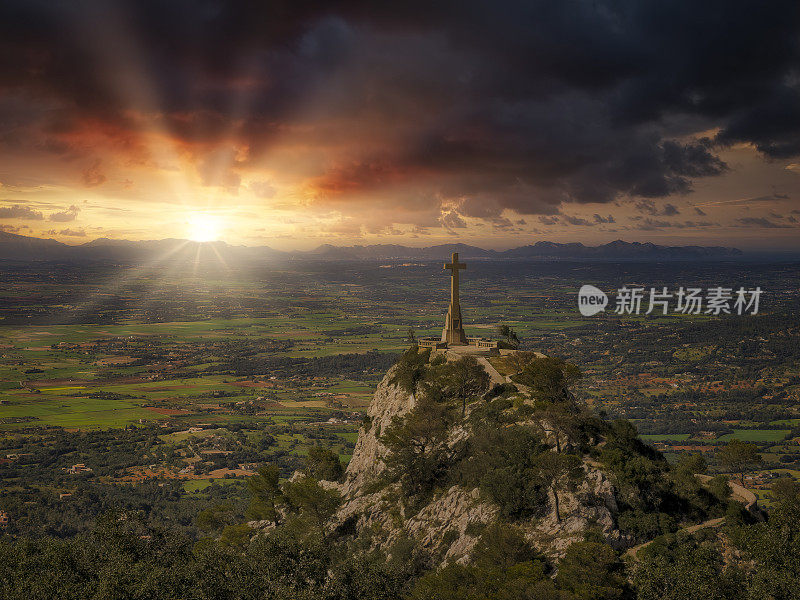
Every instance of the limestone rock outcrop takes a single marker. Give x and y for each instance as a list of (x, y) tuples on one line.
[(447, 528), (389, 400)]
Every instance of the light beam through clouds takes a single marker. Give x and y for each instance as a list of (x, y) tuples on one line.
[(348, 122)]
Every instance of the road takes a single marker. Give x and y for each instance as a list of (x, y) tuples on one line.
[(738, 493)]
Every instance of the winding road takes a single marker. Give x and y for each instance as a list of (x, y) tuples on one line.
[(738, 493)]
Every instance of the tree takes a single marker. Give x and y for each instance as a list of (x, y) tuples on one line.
[(720, 488), (555, 467), (549, 378), (519, 360), (417, 450), (411, 336), (265, 494), (684, 471), (691, 464), (410, 370), (314, 504), (462, 380), (591, 571), (503, 546), (367, 577), (508, 333), (772, 548), (564, 420), (215, 517), (287, 565), (506, 567), (738, 456), (785, 490), (235, 536), (323, 464), (681, 568), (501, 460)]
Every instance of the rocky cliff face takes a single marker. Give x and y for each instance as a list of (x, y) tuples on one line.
[(366, 463), (447, 528)]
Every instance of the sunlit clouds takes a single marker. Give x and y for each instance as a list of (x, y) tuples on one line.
[(497, 124)]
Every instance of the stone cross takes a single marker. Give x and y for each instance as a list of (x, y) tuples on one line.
[(454, 267), (453, 332)]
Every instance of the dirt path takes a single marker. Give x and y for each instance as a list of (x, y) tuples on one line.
[(493, 374), (741, 494), (738, 493), (631, 552)]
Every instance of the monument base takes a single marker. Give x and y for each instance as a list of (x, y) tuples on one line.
[(471, 345), (453, 332)]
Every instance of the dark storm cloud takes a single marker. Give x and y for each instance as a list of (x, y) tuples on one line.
[(760, 222), (68, 232), (772, 125), (20, 212), (670, 210), (511, 104), (64, 216), (577, 221), (649, 207), (452, 220)]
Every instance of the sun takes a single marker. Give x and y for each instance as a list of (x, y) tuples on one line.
[(204, 228)]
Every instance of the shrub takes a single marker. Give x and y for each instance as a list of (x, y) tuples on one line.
[(410, 369), (502, 462), (548, 378), (418, 456), (591, 571), (323, 464)]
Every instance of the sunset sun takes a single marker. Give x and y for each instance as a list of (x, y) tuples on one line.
[(203, 228)]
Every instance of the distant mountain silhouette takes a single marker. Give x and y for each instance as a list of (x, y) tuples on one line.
[(23, 248), (13, 246), (618, 250), (394, 251)]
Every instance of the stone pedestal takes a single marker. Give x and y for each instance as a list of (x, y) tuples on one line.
[(453, 332)]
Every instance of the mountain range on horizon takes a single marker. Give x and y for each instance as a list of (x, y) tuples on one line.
[(24, 248)]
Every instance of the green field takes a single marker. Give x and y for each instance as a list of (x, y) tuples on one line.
[(664, 437), (754, 435), (59, 366), (193, 486), (67, 411)]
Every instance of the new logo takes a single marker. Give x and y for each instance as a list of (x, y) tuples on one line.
[(591, 300)]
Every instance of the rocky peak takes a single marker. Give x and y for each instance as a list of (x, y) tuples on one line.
[(447, 524)]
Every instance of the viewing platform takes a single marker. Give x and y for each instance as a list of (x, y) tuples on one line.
[(474, 345)]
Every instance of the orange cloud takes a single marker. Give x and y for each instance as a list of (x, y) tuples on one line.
[(93, 176)]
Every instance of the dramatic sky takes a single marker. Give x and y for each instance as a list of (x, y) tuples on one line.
[(497, 123)]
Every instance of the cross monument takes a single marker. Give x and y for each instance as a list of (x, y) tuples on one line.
[(453, 332)]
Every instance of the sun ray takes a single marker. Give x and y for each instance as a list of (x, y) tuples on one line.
[(114, 285), (219, 256)]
